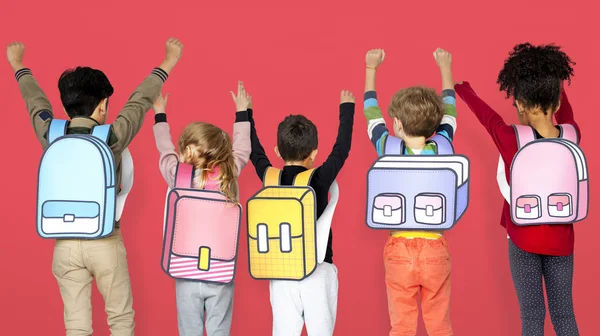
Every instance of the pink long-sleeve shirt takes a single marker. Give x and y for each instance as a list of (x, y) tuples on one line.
[(169, 157)]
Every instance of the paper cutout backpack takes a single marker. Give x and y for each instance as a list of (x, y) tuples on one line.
[(417, 192), (77, 195), (549, 179), (201, 230), (285, 241)]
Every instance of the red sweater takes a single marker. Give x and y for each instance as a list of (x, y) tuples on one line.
[(555, 239)]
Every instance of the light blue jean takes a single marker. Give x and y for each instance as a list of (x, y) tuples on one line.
[(193, 298)]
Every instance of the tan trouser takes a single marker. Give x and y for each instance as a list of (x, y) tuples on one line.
[(75, 263)]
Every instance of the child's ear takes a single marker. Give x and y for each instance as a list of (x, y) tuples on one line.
[(103, 107), (557, 107), (313, 155), (277, 152), (519, 106)]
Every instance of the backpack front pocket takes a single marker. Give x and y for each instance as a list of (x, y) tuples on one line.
[(389, 209), (528, 207), (430, 208), (75, 217), (559, 205)]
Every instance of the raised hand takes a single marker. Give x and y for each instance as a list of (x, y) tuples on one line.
[(374, 58), (160, 104), (174, 49), (442, 58), (242, 100), (347, 97), (15, 53)]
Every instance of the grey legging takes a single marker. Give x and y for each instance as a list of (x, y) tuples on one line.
[(527, 271)]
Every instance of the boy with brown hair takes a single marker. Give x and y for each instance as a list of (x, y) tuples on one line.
[(415, 261), (84, 93)]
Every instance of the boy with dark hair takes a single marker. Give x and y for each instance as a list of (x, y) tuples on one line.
[(77, 262), (416, 262), (313, 300)]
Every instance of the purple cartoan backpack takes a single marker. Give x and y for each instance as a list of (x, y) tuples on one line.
[(417, 192)]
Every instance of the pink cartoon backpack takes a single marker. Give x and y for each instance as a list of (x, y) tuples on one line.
[(549, 179), (201, 230)]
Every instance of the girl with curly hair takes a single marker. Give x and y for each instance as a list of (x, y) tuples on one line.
[(533, 77)]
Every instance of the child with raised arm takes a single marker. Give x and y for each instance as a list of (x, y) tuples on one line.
[(533, 76), (215, 158), (313, 300), (84, 93), (416, 262)]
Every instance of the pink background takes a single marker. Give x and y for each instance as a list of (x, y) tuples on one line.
[(294, 57)]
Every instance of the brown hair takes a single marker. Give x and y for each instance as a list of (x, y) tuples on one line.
[(419, 109), (212, 148)]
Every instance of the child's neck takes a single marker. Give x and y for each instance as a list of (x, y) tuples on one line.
[(304, 163), (414, 142), (545, 127)]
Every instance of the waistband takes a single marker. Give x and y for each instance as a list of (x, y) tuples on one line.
[(417, 234)]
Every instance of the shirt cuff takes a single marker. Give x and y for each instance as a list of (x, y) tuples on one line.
[(370, 95), (160, 117), (22, 72), (162, 74), (249, 114), (448, 93), (241, 116)]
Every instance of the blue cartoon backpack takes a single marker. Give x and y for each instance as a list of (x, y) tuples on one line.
[(77, 195)]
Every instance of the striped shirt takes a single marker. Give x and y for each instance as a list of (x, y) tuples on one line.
[(378, 134)]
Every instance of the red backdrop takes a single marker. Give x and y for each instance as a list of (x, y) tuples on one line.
[(294, 58)]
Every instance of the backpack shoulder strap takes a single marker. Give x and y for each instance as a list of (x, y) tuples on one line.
[(101, 132), (303, 179), (184, 174), (569, 132), (56, 129), (443, 145), (393, 145), (272, 177), (525, 135)]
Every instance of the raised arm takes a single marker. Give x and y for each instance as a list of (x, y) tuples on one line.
[(38, 105), (169, 158), (258, 157), (447, 127), (334, 162), (131, 118), (502, 134), (241, 129), (375, 123)]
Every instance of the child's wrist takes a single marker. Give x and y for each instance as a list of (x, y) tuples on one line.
[(372, 68)]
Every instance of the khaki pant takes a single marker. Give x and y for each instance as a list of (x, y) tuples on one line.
[(76, 262)]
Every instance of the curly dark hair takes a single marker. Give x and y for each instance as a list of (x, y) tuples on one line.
[(296, 138), (533, 75)]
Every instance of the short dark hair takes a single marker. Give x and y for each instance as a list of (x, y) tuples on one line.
[(82, 89), (296, 138), (533, 75)]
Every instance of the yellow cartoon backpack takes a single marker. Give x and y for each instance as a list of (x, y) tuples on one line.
[(282, 228)]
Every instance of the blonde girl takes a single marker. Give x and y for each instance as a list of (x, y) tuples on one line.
[(217, 159)]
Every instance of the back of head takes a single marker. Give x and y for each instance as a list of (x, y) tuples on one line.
[(419, 109), (206, 146), (82, 89), (533, 75), (297, 138)]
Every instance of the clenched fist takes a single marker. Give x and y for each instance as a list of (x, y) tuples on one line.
[(347, 97), (15, 53), (174, 49), (442, 58), (375, 57)]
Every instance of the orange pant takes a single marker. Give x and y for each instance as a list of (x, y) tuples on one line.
[(413, 265)]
